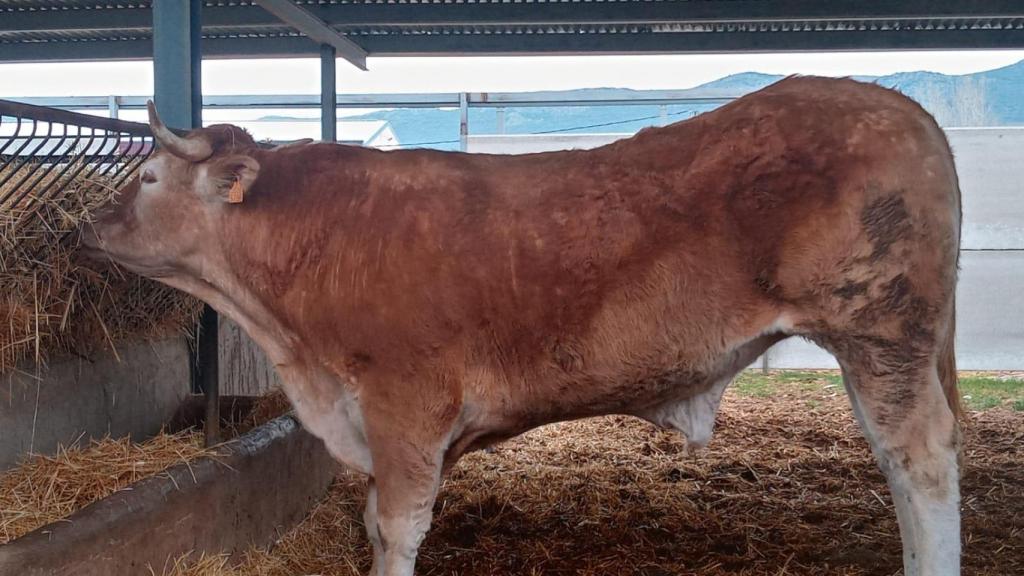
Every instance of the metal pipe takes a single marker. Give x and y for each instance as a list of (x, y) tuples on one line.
[(328, 94), (44, 112), (207, 357), (463, 121), (609, 97)]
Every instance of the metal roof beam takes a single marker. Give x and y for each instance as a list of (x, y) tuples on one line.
[(305, 22), (693, 42), (77, 51), (529, 44), (556, 13), (124, 19), (73, 20), (425, 14)]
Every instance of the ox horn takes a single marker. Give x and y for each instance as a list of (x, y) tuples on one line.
[(193, 150)]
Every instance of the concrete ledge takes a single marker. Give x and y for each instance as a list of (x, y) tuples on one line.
[(263, 483)]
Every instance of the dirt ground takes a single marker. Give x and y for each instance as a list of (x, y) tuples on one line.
[(787, 487)]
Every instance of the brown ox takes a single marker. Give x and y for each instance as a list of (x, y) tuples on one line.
[(420, 304)]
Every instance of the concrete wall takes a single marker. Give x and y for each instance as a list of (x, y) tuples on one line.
[(41, 408), (990, 297), (990, 163)]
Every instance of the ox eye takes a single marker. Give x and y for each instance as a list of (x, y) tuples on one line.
[(148, 177)]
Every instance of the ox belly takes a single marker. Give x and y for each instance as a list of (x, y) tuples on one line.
[(683, 399), (694, 416)]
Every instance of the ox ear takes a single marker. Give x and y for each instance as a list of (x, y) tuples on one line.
[(229, 178)]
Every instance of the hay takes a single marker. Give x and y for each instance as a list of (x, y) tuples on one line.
[(46, 489), (51, 300), (270, 405), (212, 565), (787, 487)]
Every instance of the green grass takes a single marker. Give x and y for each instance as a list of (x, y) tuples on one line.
[(755, 383), (983, 392), (978, 392)]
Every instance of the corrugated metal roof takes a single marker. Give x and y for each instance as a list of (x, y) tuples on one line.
[(91, 29)]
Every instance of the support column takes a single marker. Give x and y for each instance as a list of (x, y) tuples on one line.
[(177, 90), (463, 121), (195, 35), (500, 120), (328, 94), (176, 60)]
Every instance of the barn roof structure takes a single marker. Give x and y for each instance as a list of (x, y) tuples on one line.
[(75, 30)]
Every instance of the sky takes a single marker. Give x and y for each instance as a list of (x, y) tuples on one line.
[(478, 74)]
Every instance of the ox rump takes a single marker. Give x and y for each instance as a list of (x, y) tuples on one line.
[(420, 304)]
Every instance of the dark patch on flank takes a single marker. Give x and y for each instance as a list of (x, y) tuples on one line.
[(850, 289), (886, 222)]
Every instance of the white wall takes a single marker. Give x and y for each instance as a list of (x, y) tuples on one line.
[(990, 296), (526, 143)]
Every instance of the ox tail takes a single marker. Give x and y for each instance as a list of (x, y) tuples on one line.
[(947, 352), (947, 367)]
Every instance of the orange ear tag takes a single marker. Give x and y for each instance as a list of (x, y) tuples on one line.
[(235, 194)]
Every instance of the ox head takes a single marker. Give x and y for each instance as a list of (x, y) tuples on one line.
[(157, 224)]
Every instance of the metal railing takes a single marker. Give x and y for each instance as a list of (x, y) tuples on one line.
[(43, 150), (593, 97), (464, 101)]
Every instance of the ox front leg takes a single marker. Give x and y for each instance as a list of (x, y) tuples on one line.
[(373, 529), (407, 473), (406, 489), (915, 438)]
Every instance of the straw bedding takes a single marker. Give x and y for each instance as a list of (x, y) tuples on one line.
[(787, 487), (53, 301)]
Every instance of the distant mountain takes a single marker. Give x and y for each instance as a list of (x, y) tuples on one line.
[(989, 98), (741, 83)]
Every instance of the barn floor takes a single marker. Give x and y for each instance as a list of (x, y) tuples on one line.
[(787, 486)]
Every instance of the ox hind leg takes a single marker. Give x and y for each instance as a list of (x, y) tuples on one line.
[(901, 405)]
